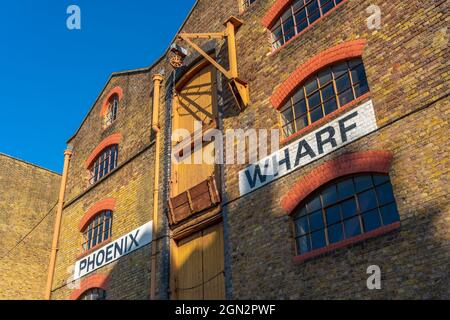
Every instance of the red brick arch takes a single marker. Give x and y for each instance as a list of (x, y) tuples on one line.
[(116, 90), (346, 50), (102, 205), (94, 281), (374, 161), (110, 140)]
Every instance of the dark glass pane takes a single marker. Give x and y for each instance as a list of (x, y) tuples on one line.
[(371, 220), (106, 229), (287, 116), (329, 195), (301, 226), (367, 200), (313, 16), (316, 221), (358, 74), (312, 6), (316, 114), (288, 28), (339, 69), (327, 92), (385, 194), (324, 76), (300, 16), (94, 239), (303, 244), (277, 34), (354, 62), (333, 215), (326, 6), (343, 83), (311, 85), (346, 97), (361, 88), (314, 100), (89, 237), (363, 183), (297, 5), (348, 208), (300, 108), (313, 204), (330, 106), (318, 239), (301, 211), (345, 189), (299, 95), (389, 214), (379, 179), (352, 227), (301, 122), (335, 233), (107, 164), (302, 25), (100, 233)]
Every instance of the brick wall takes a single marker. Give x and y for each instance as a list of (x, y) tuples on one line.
[(407, 71), (28, 195)]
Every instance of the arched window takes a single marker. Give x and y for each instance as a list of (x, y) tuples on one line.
[(105, 162), (112, 110), (297, 17), (93, 294), (98, 230), (326, 91), (343, 209)]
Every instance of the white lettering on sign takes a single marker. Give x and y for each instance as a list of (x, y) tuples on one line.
[(328, 138), (114, 250)]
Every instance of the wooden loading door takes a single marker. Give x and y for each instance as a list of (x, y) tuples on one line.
[(195, 101), (198, 266)]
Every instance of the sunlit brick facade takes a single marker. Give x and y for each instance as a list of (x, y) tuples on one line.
[(369, 103)]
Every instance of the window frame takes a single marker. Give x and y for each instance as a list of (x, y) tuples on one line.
[(97, 170), (358, 214), (88, 233), (290, 104), (112, 110), (279, 23)]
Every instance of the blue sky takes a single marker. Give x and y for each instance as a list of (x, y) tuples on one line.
[(50, 76)]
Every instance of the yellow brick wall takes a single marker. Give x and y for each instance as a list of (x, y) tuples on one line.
[(28, 195)]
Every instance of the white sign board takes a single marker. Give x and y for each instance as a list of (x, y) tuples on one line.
[(114, 250), (328, 138)]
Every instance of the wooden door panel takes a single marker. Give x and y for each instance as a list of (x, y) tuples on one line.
[(190, 268), (199, 265), (195, 101), (213, 263)]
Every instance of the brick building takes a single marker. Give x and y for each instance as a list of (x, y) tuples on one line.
[(360, 179), (28, 196)]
